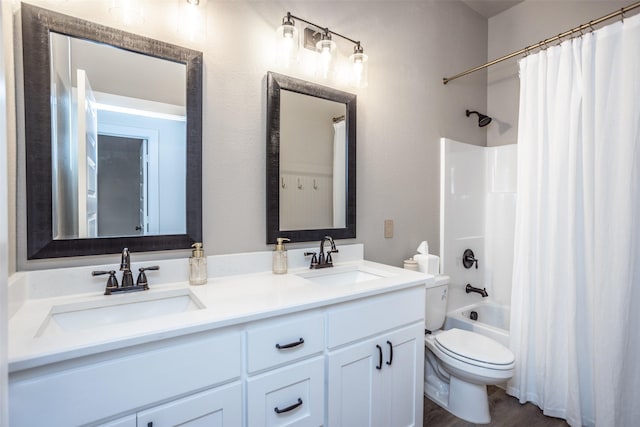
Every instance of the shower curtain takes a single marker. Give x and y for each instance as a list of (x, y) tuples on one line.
[(575, 309)]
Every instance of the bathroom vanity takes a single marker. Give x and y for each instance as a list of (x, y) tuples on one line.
[(342, 346)]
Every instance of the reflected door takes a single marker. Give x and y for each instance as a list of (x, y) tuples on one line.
[(121, 186), (87, 159)]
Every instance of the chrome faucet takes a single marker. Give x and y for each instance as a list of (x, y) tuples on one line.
[(482, 291), (127, 277), (323, 259)]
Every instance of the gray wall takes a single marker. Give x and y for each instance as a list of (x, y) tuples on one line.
[(523, 25), (401, 115)]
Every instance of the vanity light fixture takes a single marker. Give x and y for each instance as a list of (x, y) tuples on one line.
[(289, 42)]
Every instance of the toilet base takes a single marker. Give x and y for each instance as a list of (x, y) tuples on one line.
[(463, 399), (470, 401)]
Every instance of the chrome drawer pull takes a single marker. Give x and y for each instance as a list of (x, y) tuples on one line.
[(290, 345), (288, 408)]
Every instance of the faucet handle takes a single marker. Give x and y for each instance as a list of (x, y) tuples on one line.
[(112, 281), (142, 278), (469, 259), (329, 259), (314, 258)]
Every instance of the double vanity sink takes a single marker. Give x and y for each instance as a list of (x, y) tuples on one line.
[(100, 311), (51, 327)]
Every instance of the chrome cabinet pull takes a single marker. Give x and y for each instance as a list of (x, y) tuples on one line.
[(288, 408), (290, 345)]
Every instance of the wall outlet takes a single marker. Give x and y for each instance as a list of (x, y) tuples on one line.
[(388, 228)]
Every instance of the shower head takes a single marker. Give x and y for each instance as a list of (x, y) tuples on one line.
[(482, 119)]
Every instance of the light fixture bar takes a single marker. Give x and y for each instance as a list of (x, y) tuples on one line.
[(325, 29), (324, 46)]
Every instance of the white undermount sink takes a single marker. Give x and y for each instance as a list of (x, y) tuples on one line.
[(347, 275), (117, 308)]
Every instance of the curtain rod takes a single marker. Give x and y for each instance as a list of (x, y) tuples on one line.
[(589, 25)]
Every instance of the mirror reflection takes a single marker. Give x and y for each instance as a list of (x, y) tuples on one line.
[(118, 143), (113, 139), (312, 162)]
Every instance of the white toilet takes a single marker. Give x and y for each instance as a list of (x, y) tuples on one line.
[(460, 364)]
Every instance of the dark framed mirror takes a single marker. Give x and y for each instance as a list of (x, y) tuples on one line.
[(90, 147), (311, 160)]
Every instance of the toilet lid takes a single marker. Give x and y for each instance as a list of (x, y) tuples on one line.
[(475, 347)]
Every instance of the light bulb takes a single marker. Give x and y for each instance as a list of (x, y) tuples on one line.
[(325, 47), (287, 42), (359, 72)]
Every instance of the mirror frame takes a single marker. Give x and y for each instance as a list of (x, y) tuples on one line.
[(37, 23), (275, 83)]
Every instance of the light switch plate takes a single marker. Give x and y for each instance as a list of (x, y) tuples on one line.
[(388, 228)]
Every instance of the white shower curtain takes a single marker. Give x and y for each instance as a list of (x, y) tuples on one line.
[(575, 310)]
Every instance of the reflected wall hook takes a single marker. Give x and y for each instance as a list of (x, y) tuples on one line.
[(283, 185), (300, 186), (315, 184)]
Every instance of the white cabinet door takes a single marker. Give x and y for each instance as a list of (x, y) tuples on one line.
[(221, 406), (378, 382), (354, 381), (403, 378)]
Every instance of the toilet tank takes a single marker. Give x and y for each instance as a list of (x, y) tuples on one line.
[(436, 303)]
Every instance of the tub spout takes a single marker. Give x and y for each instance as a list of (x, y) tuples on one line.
[(482, 291)]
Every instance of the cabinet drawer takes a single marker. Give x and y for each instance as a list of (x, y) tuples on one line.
[(353, 321), (291, 396), (284, 340), (220, 406)]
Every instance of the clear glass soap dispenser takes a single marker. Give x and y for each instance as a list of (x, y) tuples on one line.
[(280, 256), (197, 266)]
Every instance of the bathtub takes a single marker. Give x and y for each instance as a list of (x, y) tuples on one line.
[(492, 320)]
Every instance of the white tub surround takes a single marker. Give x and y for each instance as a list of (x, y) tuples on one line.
[(477, 211), (328, 326)]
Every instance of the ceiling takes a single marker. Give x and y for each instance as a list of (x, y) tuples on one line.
[(489, 8)]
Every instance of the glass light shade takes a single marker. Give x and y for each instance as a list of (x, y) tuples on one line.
[(326, 48), (359, 69), (287, 43), (191, 23)]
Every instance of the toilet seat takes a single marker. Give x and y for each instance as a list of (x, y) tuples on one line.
[(474, 349)]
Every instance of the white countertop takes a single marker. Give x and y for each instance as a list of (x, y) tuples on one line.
[(228, 300)]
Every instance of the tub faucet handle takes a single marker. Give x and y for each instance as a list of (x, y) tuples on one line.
[(469, 259)]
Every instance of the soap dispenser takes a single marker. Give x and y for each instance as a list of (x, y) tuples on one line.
[(197, 266), (280, 256)]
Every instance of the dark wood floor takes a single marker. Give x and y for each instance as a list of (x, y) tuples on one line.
[(506, 411)]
